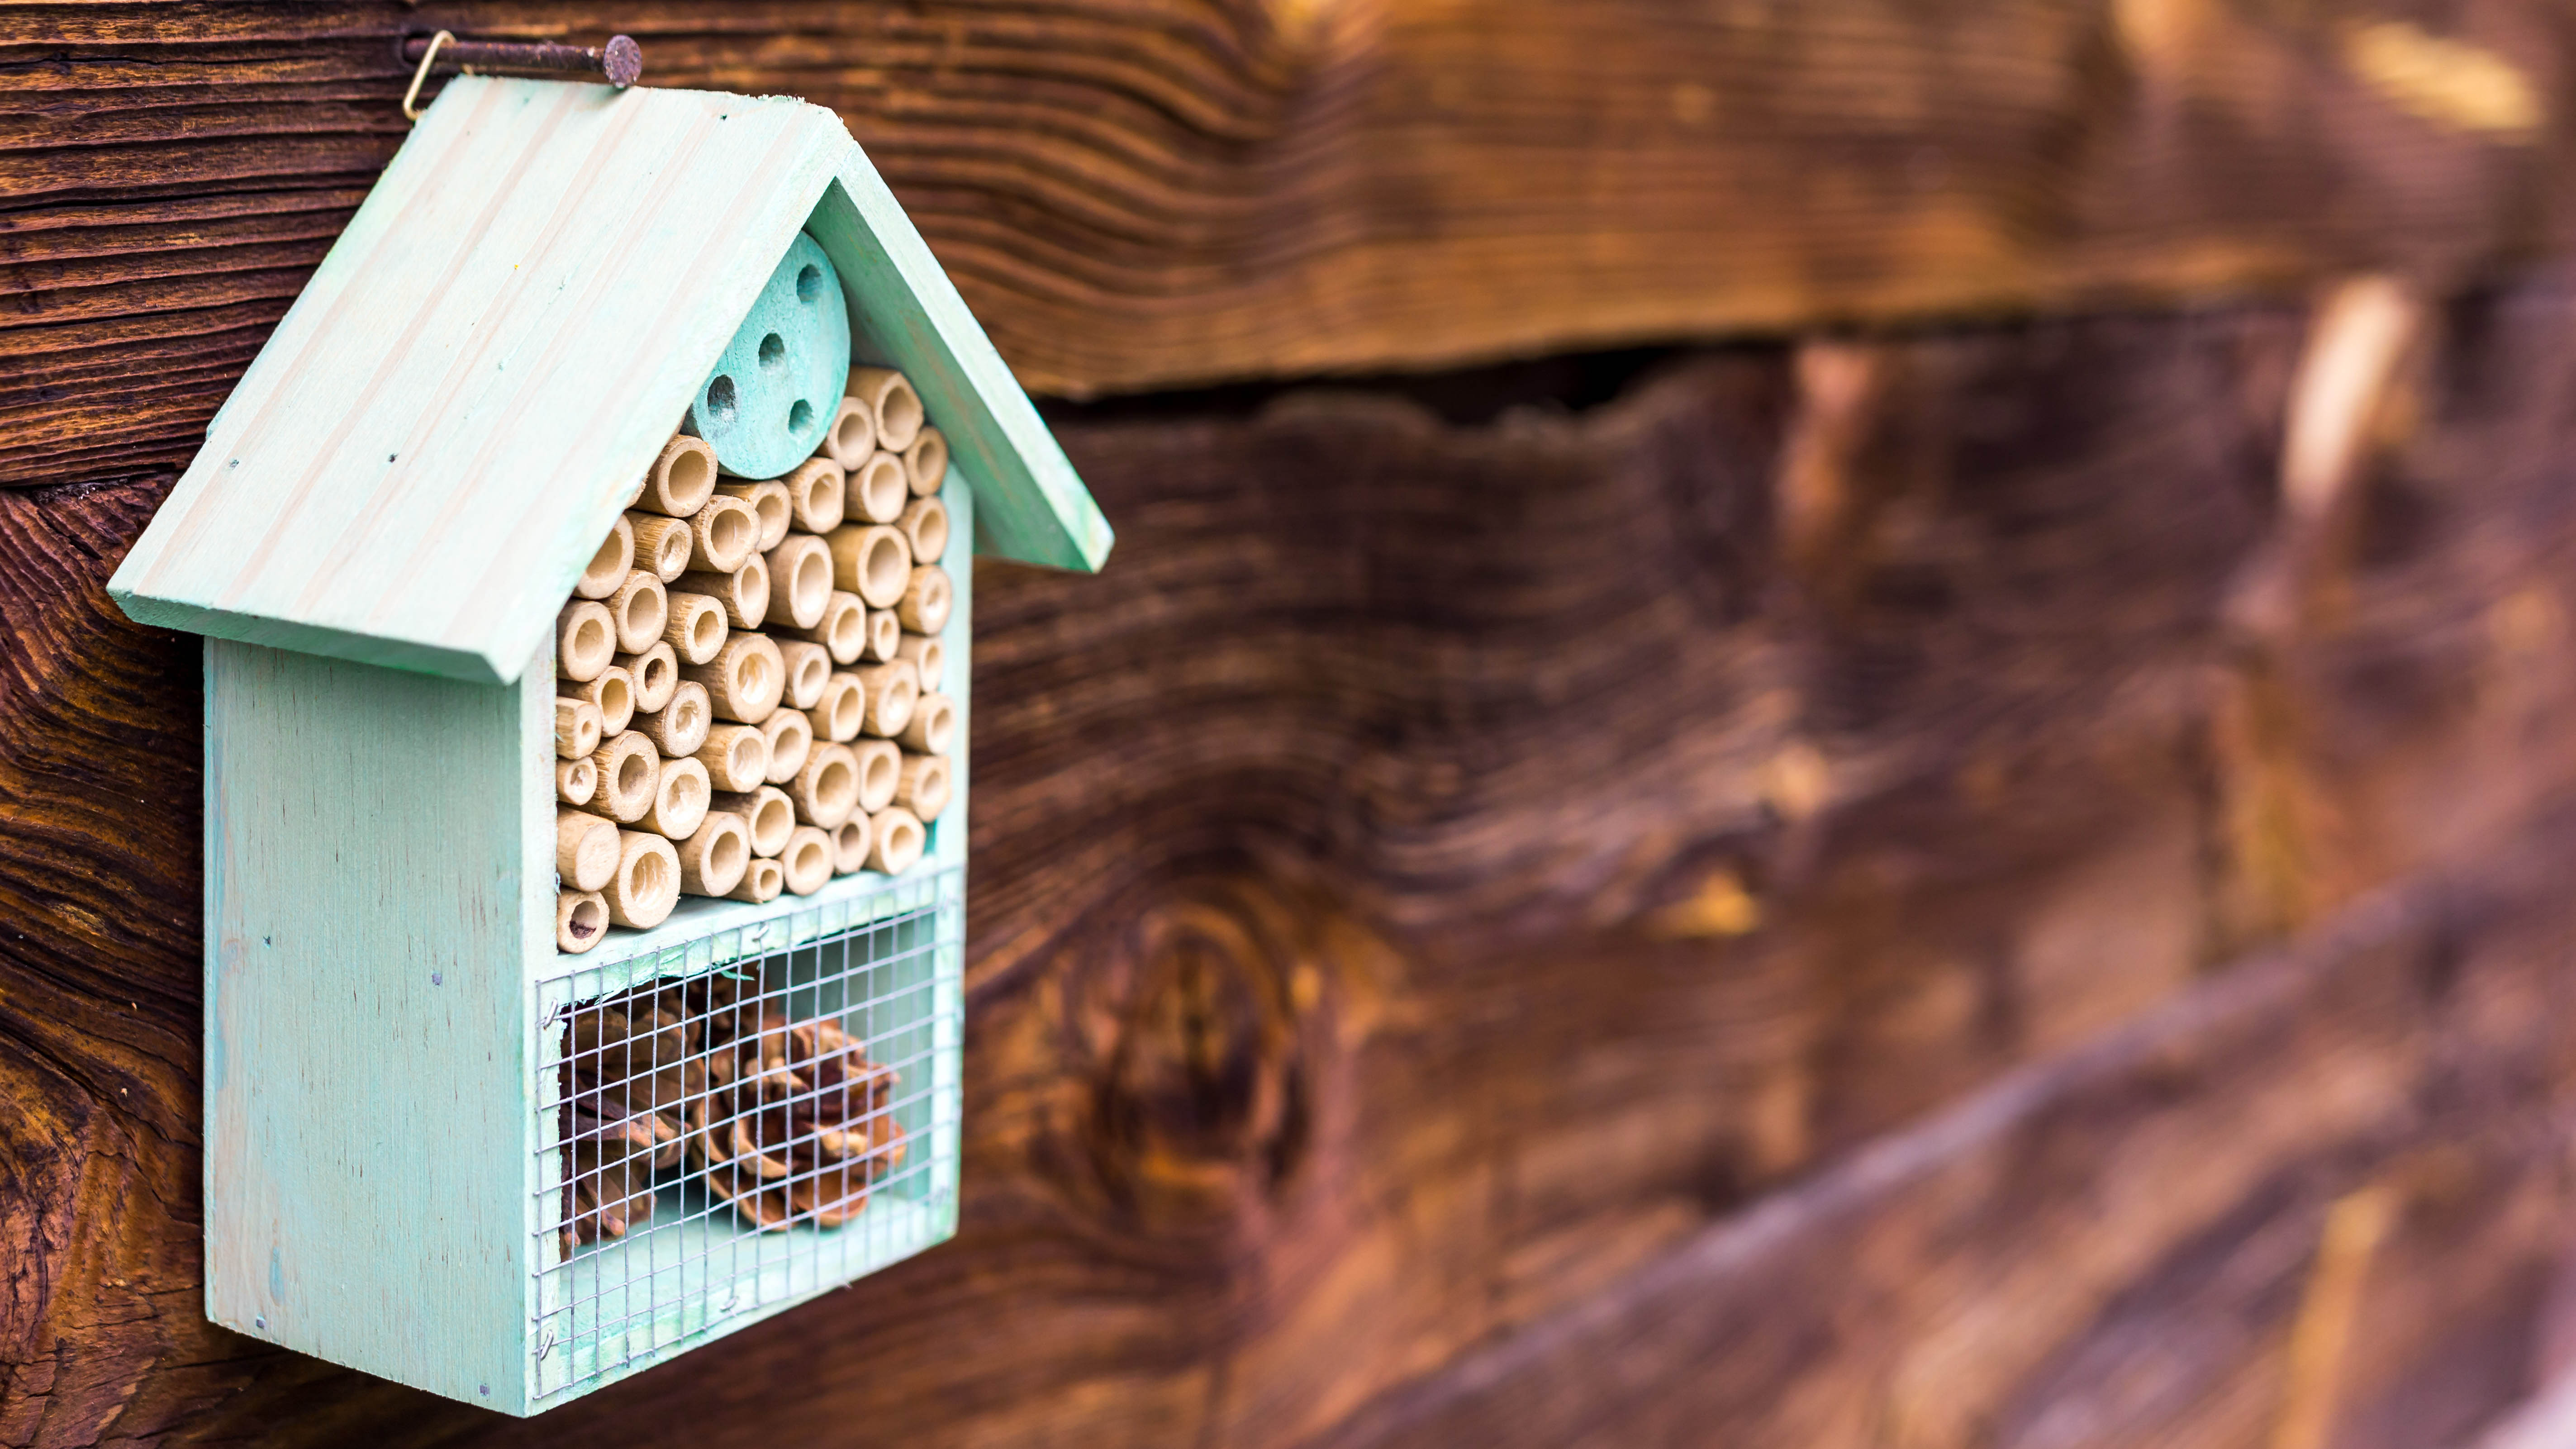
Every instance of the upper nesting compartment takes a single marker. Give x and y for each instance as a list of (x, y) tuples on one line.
[(426, 452)]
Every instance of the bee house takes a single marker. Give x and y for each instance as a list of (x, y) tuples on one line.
[(583, 572)]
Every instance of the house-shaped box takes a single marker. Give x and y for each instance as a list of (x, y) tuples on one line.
[(378, 540)]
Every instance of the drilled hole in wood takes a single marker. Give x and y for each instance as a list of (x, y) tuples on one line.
[(656, 674), (720, 402), (878, 489), (731, 533), (772, 821), (887, 566), (878, 780)]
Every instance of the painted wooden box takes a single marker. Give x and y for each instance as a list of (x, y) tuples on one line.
[(402, 1172)]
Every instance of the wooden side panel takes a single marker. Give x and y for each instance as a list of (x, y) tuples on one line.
[(370, 911)]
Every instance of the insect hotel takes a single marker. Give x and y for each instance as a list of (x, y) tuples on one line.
[(583, 571)]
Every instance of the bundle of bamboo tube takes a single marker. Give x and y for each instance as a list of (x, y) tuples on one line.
[(748, 676)]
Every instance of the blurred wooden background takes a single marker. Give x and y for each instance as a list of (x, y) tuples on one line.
[(1822, 723)]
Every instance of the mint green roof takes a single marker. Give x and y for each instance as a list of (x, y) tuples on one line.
[(419, 463)]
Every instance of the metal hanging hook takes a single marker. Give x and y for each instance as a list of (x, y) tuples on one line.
[(620, 62), (428, 53)]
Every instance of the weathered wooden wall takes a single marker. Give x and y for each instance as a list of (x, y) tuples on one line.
[(1884, 890), (1138, 193)]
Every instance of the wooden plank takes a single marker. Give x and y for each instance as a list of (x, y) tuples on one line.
[(1451, 864), (367, 1082), (525, 296), (1996, 1276), (1035, 507), (1135, 195)]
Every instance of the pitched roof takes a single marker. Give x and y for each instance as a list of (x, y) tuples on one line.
[(427, 451)]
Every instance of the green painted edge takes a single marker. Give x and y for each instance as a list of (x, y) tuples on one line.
[(411, 658), (1035, 507)]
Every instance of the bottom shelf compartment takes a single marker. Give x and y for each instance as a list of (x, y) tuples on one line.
[(719, 1142)]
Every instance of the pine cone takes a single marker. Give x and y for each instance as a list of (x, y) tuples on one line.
[(634, 1065), (797, 1126)]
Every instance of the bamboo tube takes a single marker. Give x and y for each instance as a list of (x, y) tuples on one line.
[(853, 438), (610, 566), (761, 881), (697, 627), (771, 509), (929, 657), (880, 773), (809, 668), (850, 843), (933, 726), (714, 857), (612, 694), (766, 812), (843, 629), (922, 787), (807, 860), (827, 789), (744, 593), (923, 609), (815, 492), (662, 545), (800, 581), (577, 727), (585, 850), (581, 921), (876, 491), (722, 535), (629, 768), (679, 728), (652, 674), (679, 800), (647, 883), (871, 561), (735, 757), (576, 781), (744, 680), (899, 840), (896, 407), (681, 480), (893, 690), (925, 526), (636, 493), (842, 709), (885, 635), (925, 463), (791, 738), (640, 609), (585, 640)]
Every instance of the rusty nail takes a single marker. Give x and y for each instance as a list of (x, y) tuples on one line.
[(621, 60)]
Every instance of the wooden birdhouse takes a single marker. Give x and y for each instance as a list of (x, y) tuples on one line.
[(582, 571)]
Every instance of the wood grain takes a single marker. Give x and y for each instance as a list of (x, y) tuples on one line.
[(1453, 877), (1151, 192)]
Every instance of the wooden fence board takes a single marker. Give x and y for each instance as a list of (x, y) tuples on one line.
[(1445, 874), (1139, 193)]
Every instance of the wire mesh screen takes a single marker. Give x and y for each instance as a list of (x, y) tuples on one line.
[(722, 1137)]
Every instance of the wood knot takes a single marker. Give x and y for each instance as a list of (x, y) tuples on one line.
[(1201, 1089)]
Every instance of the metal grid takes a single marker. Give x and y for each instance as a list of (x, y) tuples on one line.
[(716, 1143)]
